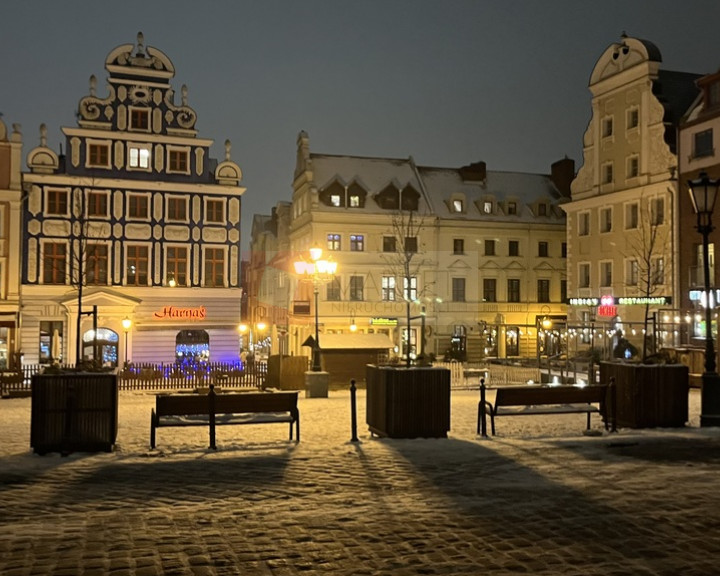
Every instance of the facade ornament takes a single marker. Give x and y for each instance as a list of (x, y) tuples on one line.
[(140, 45), (183, 94), (93, 85), (228, 145), (43, 135)]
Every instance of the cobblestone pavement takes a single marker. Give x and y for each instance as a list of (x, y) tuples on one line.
[(627, 504)]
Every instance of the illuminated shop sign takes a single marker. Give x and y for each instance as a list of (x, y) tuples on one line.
[(699, 295), (175, 313), (383, 321), (622, 301)]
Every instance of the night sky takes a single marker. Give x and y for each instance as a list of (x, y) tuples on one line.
[(448, 82)]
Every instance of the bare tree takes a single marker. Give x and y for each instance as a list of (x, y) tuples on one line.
[(405, 262), (648, 250)]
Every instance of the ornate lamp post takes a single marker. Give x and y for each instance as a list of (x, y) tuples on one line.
[(703, 194), (318, 269), (126, 324)]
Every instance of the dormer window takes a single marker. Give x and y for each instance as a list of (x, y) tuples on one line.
[(512, 208), (542, 209), (140, 119), (355, 201), (457, 206), (335, 199)]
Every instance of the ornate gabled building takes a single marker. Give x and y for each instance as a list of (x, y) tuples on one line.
[(488, 254), (10, 252), (134, 222), (622, 226)]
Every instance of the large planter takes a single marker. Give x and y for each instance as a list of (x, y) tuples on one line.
[(649, 395), (408, 402), (74, 411)]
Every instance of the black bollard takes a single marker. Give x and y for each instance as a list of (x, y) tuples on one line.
[(353, 411)]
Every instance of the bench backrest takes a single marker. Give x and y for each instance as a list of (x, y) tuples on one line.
[(188, 404), (538, 395)]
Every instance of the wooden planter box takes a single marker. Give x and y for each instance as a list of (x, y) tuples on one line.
[(649, 395), (74, 412), (408, 402)]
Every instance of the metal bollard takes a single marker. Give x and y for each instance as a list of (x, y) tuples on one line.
[(353, 411)]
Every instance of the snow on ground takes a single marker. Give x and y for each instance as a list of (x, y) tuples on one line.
[(325, 425)]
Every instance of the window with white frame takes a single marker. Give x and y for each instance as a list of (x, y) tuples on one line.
[(388, 288), (137, 264), (333, 242), (657, 211), (138, 206), (139, 156), (97, 203), (98, 154), (458, 205), (633, 167), (487, 207), (215, 210), (607, 173), (57, 202), (607, 127), (632, 272), (458, 289), (633, 118), (410, 288), (214, 264), (178, 160), (606, 270), (584, 224), (177, 209), (357, 285), (657, 271), (357, 242), (631, 216), (605, 220), (584, 275), (140, 119)]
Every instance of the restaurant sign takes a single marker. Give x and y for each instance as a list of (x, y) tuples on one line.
[(176, 313)]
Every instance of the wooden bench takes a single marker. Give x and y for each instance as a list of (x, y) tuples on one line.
[(534, 399), (224, 409)]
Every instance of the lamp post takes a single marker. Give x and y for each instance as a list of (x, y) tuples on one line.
[(318, 269), (126, 324), (703, 193)]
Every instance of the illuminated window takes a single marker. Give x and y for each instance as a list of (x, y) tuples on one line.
[(354, 201), (388, 288), (333, 242), (139, 157), (335, 199), (357, 243), (487, 207), (457, 205), (410, 288)]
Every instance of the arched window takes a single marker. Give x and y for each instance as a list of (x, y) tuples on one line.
[(107, 347), (192, 347)]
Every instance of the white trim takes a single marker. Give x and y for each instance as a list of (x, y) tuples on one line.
[(148, 197), (47, 191), (161, 138), (41, 260), (104, 143), (168, 165), (103, 192), (166, 211), (205, 211), (148, 113), (140, 161)]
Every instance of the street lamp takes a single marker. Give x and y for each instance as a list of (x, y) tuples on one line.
[(703, 193), (319, 270), (126, 324)]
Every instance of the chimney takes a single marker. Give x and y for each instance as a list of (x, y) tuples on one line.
[(562, 173), (475, 172)]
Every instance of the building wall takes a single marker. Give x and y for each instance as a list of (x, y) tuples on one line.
[(135, 178)]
